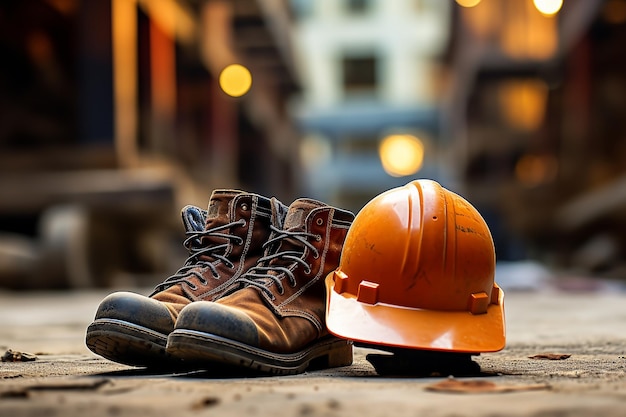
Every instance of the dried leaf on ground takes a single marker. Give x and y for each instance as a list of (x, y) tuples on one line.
[(550, 356), (205, 403), (15, 356), (480, 386)]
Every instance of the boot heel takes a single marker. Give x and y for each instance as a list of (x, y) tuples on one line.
[(340, 355)]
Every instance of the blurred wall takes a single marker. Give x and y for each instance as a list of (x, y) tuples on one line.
[(112, 118), (370, 70), (534, 111)]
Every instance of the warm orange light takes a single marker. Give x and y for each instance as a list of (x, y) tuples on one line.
[(548, 7), (523, 103), (614, 11), (467, 3), (482, 18), (235, 80), (401, 155), (528, 33), (534, 170), (124, 37)]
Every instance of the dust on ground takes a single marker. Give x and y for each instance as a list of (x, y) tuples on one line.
[(565, 356)]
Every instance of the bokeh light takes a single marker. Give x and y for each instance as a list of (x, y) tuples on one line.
[(401, 155), (467, 3), (235, 80), (533, 170), (548, 7), (523, 103), (614, 11), (315, 151)]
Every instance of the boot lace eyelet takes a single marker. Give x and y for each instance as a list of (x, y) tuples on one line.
[(244, 207), (319, 221), (318, 238)]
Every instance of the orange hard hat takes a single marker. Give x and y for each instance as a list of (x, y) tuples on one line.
[(417, 271)]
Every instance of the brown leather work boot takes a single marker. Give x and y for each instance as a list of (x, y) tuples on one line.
[(223, 242), (272, 319)]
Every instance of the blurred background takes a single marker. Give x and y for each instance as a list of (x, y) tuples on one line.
[(114, 114)]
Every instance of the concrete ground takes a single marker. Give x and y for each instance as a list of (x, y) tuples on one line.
[(66, 379)]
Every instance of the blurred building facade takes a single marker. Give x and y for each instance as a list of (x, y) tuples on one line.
[(370, 69), (112, 118), (518, 106), (534, 109)]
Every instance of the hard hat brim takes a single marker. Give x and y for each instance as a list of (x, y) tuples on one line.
[(387, 325)]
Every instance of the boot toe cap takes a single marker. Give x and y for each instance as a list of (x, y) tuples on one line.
[(219, 320), (136, 309)]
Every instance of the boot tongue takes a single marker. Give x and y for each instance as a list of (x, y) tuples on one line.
[(219, 213), (295, 221), (298, 212), (194, 218)]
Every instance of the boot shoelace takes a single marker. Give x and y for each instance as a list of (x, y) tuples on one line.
[(197, 249), (255, 275)]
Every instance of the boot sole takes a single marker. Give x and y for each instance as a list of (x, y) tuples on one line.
[(128, 343), (204, 348)]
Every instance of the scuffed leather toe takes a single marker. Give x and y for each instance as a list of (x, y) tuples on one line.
[(136, 309), (219, 320)]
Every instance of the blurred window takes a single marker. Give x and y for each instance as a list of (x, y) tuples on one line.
[(358, 144), (359, 74), (358, 6), (302, 9), (425, 6)]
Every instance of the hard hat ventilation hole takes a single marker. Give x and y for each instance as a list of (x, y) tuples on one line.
[(478, 303), (368, 292), (435, 218)]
